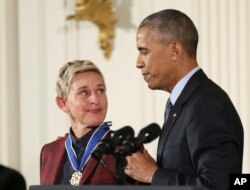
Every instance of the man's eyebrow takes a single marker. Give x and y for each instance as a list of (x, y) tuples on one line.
[(141, 48)]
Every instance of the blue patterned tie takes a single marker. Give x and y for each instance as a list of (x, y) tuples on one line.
[(167, 110)]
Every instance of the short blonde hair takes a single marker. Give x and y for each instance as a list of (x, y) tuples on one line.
[(67, 73)]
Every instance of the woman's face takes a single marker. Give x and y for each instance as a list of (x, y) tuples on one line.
[(87, 101)]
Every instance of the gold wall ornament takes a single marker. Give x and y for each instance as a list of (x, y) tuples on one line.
[(101, 13)]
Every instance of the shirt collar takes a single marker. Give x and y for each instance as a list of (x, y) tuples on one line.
[(181, 84), (81, 139)]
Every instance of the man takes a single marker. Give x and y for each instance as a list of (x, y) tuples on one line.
[(11, 179), (202, 137)]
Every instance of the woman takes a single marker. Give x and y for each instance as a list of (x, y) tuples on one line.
[(81, 94)]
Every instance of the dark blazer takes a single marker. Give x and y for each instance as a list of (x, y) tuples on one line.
[(51, 160), (202, 141), (11, 179)]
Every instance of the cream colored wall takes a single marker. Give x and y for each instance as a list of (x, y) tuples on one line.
[(9, 85), (35, 40)]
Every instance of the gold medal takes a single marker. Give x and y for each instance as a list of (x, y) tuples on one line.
[(75, 179)]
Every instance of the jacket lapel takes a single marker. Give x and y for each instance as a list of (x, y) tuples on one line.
[(90, 166), (190, 87), (167, 126)]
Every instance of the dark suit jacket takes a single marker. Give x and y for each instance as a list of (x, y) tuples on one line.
[(202, 142), (51, 164), (11, 179)]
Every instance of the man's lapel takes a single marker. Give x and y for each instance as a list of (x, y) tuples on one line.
[(167, 126), (190, 87)]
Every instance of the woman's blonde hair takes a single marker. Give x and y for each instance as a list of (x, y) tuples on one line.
[(67, 73)]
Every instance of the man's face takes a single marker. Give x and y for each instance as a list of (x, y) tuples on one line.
[(87, 101), (155, 60)]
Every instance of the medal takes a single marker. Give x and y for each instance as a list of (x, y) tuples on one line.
[(98, 135), (75, 179)]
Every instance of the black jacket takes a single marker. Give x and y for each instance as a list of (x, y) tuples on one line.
[(11, 179), (202, 141)]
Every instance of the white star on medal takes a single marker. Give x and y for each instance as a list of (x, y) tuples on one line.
[(75, 179)]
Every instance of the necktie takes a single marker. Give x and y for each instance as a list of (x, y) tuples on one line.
[(167, 109)]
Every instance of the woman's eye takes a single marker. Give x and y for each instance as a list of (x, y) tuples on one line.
[(84, 93)]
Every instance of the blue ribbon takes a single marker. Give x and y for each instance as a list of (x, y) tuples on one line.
[(99, 133)]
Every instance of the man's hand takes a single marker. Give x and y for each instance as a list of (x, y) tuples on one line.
[(141, 166)]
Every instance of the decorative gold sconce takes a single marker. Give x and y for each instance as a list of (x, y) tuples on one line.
[(101, 13)]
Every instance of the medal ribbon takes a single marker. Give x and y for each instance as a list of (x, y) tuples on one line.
[(100, 133)]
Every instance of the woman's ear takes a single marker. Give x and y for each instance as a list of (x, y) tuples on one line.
[(61, 104)]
